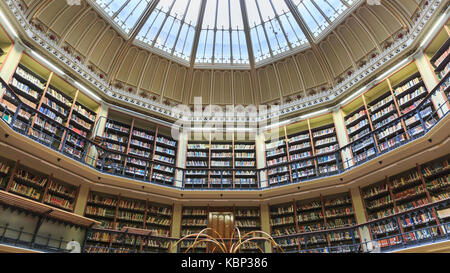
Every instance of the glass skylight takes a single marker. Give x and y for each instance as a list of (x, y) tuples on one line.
[(223, 35)]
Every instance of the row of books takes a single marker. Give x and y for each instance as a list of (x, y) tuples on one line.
[(407, 86), (29, 77)]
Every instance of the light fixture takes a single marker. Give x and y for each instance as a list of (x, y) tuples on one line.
[(87, 91), (400, 64), (314, 114), (281, 123), (8, 25), (46, 62), (433, 29), (354, 95)]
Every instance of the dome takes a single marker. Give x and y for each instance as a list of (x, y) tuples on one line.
[(224, 37), (229, 52)]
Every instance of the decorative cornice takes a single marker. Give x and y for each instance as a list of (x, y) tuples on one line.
[(314, 101)]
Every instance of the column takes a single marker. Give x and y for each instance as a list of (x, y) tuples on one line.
[(10, 64), (181, 158), (261, 159), (176, 224), (341, 134), (83, 196), (97, 133), (360, 214), (265, 225)]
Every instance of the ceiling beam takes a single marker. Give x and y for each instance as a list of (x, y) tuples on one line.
[(317, 52), (198, 29), (132, 36)]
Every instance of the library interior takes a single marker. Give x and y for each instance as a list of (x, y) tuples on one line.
[(209, 126)]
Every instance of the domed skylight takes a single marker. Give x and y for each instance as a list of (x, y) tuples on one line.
[(224, 32)]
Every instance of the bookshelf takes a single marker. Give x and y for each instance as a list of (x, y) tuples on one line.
[(165, 151), (221, 162), (61, 195), (310, 218), (276, 156), (8, 105), (158, 219), (81, 123), (437, 181), (197, 163), (359, 128), (409, 93), (103, 208), (383, 112), (248, 219), (120, 213), (28, 183), (130, 213), (439, 53), (378, 200), (115, 139), (408, 190), (29, 82), (193, 220), (301, 152), (141, 144), (245, 163), (53, 97), (282, 223), (339, 213), (325, 143)]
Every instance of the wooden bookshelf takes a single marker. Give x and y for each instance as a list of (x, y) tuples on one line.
[(248, 219), (436, 176), (165, 151), (116, 137), (52, 96), (310, 218), (197, 163), (121, 213), (339, 213), (141, 144), (409, 92), (277, 155), (378, 201), (221, 164), (359, 127), (26, 204), (245, 160), (408, 190), (193, 220), (61, 195), (438, 53), (103, 208), (301, 152), (30, 82), (283, 223), (384, 112), (28, 183), (326, 144)]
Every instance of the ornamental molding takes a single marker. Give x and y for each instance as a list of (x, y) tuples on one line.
[(400, 46)]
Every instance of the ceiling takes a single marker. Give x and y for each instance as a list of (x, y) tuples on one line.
[(298, 47)]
